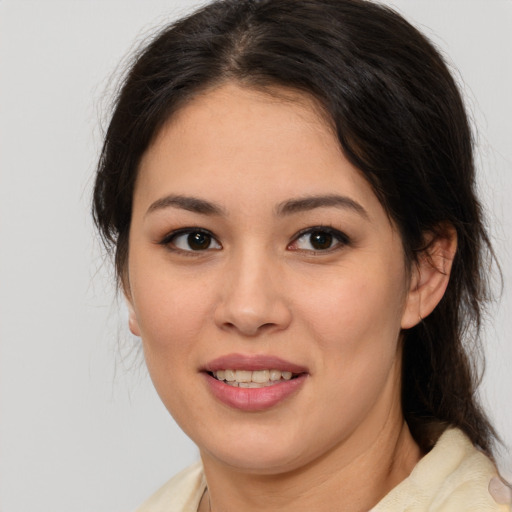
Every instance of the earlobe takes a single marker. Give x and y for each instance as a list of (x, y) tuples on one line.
[(133, 324), (430, 276)]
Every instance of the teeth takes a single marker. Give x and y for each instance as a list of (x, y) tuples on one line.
[(229, 375), (252, 379), (243, 376), (249, 385), (275, 375), (260, 376)]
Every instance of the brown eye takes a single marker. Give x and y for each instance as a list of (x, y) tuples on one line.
[(199, 241), (320, 240), (192, 240)]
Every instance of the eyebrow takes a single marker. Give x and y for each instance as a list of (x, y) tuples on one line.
[(313, 202), (192, 204), (201, 206)]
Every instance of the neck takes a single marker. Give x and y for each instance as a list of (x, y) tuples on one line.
[(332, 483)]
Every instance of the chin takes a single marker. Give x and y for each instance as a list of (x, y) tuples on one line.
[(256, 453), (259, 463)]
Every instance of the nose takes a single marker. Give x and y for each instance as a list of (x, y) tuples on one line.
[(253, 299)]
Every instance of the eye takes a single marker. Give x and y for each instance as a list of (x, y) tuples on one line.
[(319, 239), (191, 240)]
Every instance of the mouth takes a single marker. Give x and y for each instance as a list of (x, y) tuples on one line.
[(253, 379), (253, 382)]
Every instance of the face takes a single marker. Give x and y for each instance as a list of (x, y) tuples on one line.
[(267, 283)]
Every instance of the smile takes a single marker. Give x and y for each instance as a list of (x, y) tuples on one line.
[(253, 379), (253, 382)]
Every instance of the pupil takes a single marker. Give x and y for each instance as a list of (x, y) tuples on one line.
[(198, 241), (321, 240)]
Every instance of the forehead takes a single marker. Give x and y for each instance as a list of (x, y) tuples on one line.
[(240, 113), (264, 146)]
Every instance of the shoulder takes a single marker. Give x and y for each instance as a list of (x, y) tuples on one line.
[(182, 493), (454, 476)]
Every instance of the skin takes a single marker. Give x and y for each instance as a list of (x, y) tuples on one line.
[(261, 287)]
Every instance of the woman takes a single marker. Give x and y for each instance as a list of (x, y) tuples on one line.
[(289, 189)]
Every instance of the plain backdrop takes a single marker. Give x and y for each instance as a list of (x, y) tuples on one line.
[(81, 428)]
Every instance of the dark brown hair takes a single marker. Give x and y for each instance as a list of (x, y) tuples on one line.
[(400, 120)]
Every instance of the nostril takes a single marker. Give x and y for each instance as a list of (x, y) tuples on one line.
[(249, 328), (267, 326)]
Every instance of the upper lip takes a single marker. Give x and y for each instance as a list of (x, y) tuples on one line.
[(252, 362)]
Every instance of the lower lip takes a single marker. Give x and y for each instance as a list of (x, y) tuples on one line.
[(254, 399)]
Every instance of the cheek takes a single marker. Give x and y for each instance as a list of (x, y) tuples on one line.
[(171, 313), (171, 317), (355, 310), (357, 327)]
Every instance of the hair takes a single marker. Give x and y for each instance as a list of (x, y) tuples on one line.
[(400, 120)]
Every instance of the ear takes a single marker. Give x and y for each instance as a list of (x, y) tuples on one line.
[(133, 323), (430, 275)]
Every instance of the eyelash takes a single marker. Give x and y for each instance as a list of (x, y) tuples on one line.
[(335, 235), (341, 238), (169, 240)]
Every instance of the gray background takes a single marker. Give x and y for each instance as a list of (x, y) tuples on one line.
[(81, 428)]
